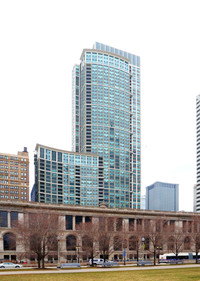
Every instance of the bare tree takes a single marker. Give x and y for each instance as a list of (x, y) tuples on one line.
[(136, 235), (155, 236), (89, 232), (103, 235), (195, 235), (38, 235), (106, 227), (174, 239)]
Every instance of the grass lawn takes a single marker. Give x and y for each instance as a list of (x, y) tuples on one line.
[(182, 274)]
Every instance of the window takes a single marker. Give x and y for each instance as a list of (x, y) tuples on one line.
[(69, 222), (59, 156), (9, 242), (41, 152), (13, 218), (71, 243), (53, 155), (3, 219)]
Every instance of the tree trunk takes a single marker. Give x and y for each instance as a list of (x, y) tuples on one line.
[(43, 265), (43, 256), (137, 254), (196, 257), (38, 261), (92, 260), (176, 256), (104, 256), (154, 257)]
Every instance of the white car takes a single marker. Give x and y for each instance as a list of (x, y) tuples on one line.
[(96, 261), (9, 265)]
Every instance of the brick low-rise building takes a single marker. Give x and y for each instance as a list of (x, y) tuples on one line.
[(14, 176)]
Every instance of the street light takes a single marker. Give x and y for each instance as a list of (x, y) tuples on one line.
[(78, 248), (143, 246), (58, 238)]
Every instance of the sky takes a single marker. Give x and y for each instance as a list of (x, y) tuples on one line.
[(40, 41)]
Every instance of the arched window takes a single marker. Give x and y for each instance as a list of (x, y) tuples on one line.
[(170, 244), (133, 243), (71, 243), (187, 243), (117, 243), (9, 242)]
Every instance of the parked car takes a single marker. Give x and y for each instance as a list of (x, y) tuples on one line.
[(9, 265), (96, 261)]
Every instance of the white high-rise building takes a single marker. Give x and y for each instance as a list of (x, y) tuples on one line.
[(197, 189)]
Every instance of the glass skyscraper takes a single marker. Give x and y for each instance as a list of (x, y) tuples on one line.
[(162, 196), (106, 121), (197, 186)]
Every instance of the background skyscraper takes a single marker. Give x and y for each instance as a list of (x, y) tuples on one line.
[(14, 176), (162, 196), (106, 121)]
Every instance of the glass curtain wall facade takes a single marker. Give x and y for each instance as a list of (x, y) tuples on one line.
[(106, 107), (75, 109), (162, 196), (197, 186), (65, 177)]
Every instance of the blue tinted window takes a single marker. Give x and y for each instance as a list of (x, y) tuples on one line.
[(71, 159), (105, 59), (41, 152), (88, 57), (48, 154), (53, 156), (59, 156), (65, 156), (94, 57)]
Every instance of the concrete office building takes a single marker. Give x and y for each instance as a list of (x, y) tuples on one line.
[(162, 196), (106, 121), (14, 176), (197, 186)]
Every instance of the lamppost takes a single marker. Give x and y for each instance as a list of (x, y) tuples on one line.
[(58, 238), (78, 248), (159, 248), (143, 246), (124, 256)]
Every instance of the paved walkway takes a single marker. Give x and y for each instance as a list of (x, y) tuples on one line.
[(14, 272)]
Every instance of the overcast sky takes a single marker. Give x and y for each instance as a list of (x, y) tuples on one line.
[(40, 41)]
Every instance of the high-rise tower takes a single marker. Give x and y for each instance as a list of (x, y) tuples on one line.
[(197, 186), (106, 121)]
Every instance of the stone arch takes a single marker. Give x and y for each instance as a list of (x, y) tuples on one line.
[(132, 242), (117, 243), (9, 242)]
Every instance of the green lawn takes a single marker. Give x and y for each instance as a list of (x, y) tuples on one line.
[(184, 274)]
